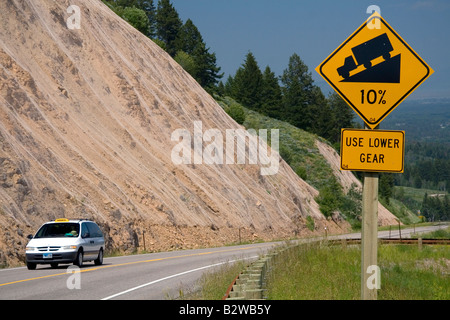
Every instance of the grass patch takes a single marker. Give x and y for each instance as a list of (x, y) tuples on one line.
[(318, 272), (214, 284), (401, 211), (410, 274), (438, 234), (297, 147), (306, 273), (416, 194)]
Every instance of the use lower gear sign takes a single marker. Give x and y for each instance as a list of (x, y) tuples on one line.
[(374, 70)]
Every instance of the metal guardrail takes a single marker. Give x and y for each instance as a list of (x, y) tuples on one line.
[(248, 285)]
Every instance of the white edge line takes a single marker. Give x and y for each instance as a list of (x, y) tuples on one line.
[(8, 269), (172, 276)]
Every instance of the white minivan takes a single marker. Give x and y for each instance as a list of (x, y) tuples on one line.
[(65, 241)]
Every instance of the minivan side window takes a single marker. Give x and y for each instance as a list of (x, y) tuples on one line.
[(94, 230), (85, 231)]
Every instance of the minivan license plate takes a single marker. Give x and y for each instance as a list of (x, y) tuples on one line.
[(47, 256)]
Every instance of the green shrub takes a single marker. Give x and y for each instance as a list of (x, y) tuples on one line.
[(285, 153), (186, 62), (310, 223), (236, 111), (301, 172), (329, 200)]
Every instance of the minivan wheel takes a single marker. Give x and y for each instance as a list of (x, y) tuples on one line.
[(31, 266), (79, 259), (99, 260)]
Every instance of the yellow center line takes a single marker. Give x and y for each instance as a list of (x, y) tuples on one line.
[(127, 263), (24, 280)]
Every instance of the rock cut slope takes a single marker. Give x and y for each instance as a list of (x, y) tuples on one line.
[(347, 179), (86, 118)]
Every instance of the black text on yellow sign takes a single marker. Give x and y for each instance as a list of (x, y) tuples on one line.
[(374, 70), (372, 150)]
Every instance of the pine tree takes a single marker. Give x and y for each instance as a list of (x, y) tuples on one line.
[(189, 38), (234, 84), (424, 210), (323, 119), (191, 41), (168, 25), (342, 117), (150, 10), (270, 94), (247, 84), (298, 94), (386, 186), (446, 208), (220, 89), (207, 71), (228, 87)]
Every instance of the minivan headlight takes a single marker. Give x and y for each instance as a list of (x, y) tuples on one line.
[(29, 248), (69, 247)]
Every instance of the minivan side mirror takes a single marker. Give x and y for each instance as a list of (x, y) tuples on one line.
[(85, 235), (30, 236)]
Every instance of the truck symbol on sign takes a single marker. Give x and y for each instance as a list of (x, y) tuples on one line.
[(365, 53)]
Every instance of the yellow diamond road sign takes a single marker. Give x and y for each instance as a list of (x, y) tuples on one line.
[(372, 150), (374, 70)]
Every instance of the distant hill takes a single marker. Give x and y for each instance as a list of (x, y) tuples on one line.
[(423, 120)]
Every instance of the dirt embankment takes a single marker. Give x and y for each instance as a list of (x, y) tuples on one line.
[(347, 179), (87, 117)]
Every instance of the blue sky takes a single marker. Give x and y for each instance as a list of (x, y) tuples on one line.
[(274, 30)]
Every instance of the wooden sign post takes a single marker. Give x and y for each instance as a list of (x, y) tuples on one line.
[(374, 70), (369, 237)]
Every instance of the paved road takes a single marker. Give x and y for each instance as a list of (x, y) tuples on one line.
[(150, 276), (395, 233)]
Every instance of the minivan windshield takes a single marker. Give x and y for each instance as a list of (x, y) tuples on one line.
[(58, 230)]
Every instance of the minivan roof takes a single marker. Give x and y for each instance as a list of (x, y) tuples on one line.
[(68, 220)]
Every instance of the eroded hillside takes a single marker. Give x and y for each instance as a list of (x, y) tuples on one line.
[(86, 122)]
